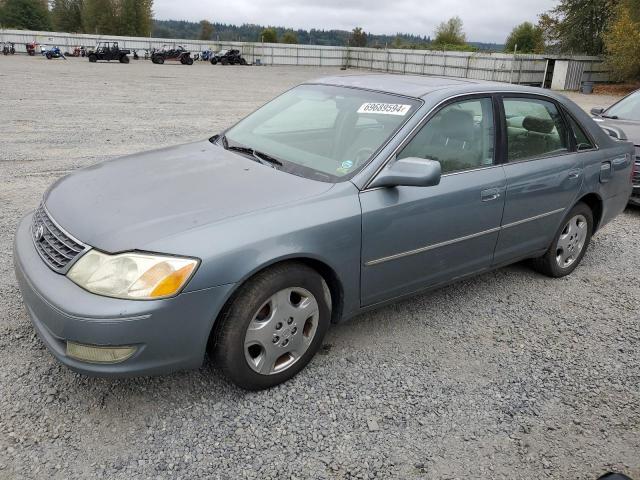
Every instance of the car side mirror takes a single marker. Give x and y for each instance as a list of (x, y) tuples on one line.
[(409, 172), (597, 111), (614, 132)]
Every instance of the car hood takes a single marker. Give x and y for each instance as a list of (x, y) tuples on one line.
[(629, 127), (126, 203)]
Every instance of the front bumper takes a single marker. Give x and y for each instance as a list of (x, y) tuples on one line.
[(170, 334)]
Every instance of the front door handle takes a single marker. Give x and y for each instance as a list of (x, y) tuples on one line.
[(575, 173), (490, 194), (605, 172)]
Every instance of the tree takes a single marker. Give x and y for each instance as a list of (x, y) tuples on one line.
[(25, 14), (622, 41), (289, 37), (66, 15), (450, 33), (269, 35), (358, 38), (99, 16), (528, 37), (206, 30), (578, 26)]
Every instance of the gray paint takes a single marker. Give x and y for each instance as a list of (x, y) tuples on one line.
[(239, 216)]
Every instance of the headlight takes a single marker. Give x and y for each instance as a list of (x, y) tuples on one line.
[(135, 276)]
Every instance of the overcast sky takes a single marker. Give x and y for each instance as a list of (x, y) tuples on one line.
[(484, 20)]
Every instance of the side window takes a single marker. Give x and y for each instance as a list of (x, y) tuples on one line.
[(582, 140), (534, 129), (460, 136)]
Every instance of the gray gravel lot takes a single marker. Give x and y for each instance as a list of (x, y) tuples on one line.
[(508, 375)]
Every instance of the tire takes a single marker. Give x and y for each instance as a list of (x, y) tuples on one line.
[(243, 61), (569, 244), (93, 58), (159, 60), (49, 55), (224, 61), (214, 61), (124, 59), (189, 61), (255, 359)]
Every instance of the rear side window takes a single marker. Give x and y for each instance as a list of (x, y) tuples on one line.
[(460, 137), (582, 140), (535, 128)]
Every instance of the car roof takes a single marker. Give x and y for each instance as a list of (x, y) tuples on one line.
[(418, 85)]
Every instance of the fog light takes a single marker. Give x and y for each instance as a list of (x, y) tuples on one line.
[(93, 354)]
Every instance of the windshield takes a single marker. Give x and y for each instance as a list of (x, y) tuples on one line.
[(323, 132), (626, 109)]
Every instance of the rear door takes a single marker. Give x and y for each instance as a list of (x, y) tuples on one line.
[(543, 173)]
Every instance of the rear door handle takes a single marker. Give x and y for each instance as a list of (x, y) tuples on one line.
[(490, 194)]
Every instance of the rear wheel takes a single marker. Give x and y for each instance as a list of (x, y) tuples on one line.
[(273, 326), (189, 61), (569, 245), (214, 61), (124, 59), (159, 60), (49, 55), (243, 61), (224, 61), (93, 58)]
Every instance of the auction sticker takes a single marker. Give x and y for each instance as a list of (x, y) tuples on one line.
[(385, 108)]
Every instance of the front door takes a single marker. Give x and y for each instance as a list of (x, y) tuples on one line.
[(416, 237)]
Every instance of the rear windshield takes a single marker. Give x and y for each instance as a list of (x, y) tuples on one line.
[(323, 132)]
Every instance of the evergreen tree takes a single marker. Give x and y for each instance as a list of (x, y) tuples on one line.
[(358, 38), (25, 14), (66, 15)]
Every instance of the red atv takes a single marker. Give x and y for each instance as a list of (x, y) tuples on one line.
[(31, 48)]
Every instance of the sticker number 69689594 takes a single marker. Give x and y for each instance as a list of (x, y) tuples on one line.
[(385, 108)]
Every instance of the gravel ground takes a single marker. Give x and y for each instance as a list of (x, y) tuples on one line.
[(508, 375)]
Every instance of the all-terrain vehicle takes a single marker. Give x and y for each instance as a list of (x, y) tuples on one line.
[(9, 48), (177, 54), (228, 57), (31, 48), (109, 51)]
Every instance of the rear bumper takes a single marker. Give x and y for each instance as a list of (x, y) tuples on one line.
[(169, 334)]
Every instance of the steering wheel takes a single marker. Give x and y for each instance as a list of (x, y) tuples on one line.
[(362, 155)]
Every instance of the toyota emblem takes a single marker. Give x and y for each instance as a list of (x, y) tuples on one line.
[(39, 233)]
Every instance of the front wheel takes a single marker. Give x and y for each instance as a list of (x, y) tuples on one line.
[(124, 59), (49, 55), (214, 61), (93, 58), (189, 61), (273, 326), (569, 245)]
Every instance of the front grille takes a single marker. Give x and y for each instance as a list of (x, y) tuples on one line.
[(636, 173), (57, 248)]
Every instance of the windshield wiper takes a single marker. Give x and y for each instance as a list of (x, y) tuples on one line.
[(261, 157)]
